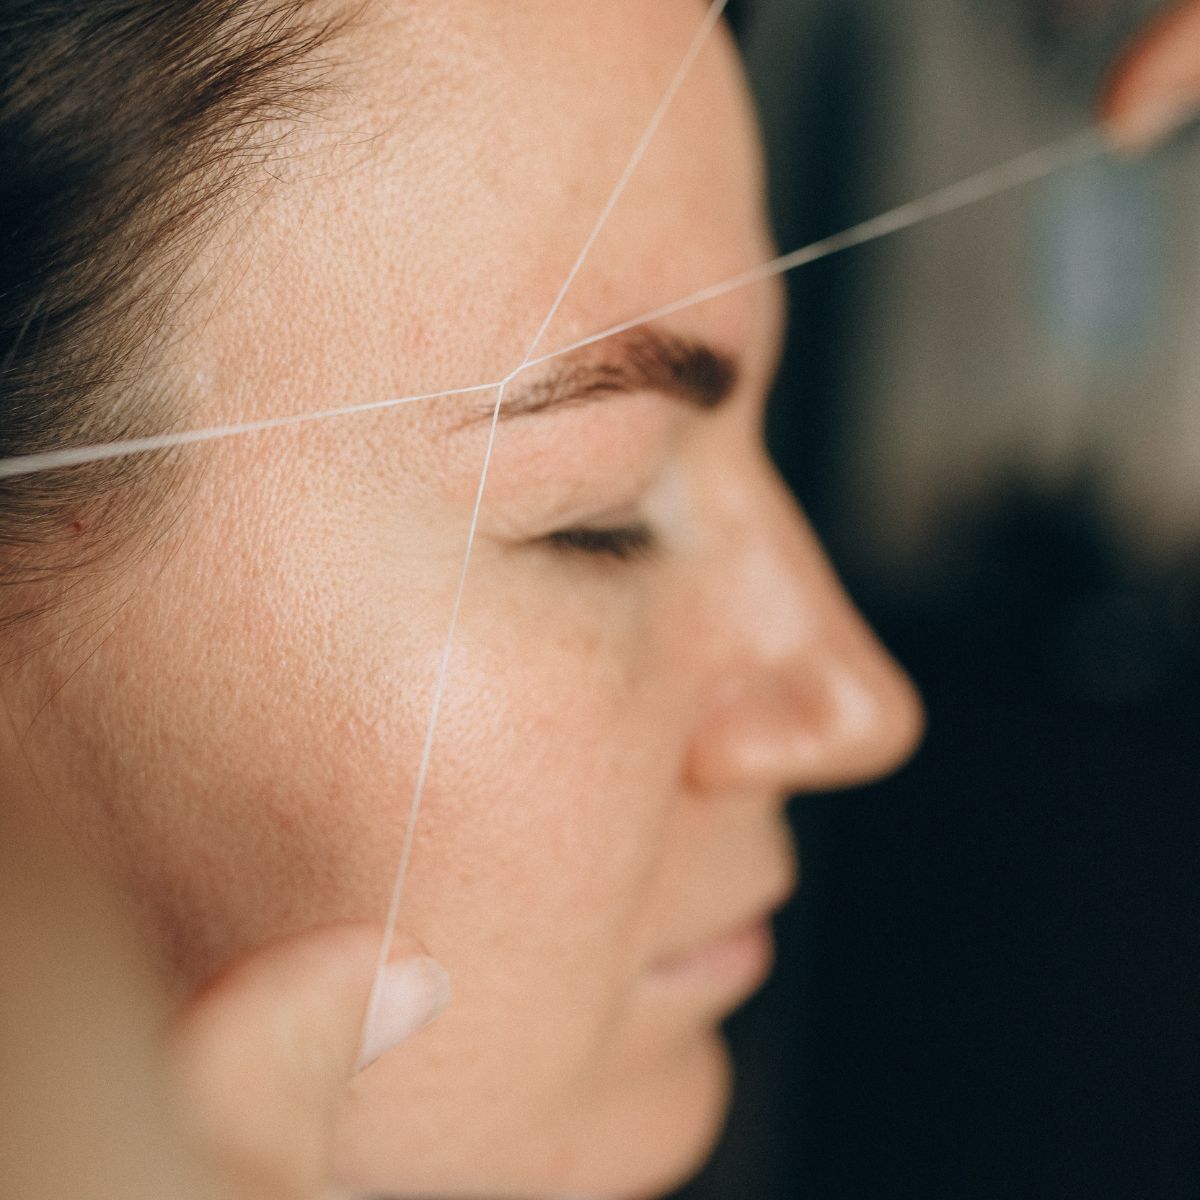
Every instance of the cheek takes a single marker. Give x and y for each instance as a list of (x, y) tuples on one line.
[(269, 737), (245, 735), (537, 864), (541, 841)]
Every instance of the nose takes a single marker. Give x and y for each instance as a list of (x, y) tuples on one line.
[(803, 697)]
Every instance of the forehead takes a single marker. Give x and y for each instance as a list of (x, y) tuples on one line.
[(468, 149)]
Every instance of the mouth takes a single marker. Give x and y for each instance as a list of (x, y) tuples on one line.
[(736, 960)]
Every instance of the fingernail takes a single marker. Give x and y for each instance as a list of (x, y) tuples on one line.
[(408, 995)]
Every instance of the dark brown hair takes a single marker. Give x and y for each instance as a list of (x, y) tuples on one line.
[(122, 124)]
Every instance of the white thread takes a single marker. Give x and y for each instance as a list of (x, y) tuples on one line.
[(1027, 168), (639, 152), (53, 460), (435, 708), (1024, 169), (712, 17)]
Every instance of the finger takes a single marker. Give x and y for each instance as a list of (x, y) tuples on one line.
[(1156, 85), (266, 1051)]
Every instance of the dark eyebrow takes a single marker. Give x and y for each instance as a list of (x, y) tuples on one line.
[(641, 360)]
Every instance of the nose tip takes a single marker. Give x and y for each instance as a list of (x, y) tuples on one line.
[(873, 720), (825, 721)]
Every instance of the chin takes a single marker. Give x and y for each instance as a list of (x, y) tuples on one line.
[(656, 1137), (636, 1138)]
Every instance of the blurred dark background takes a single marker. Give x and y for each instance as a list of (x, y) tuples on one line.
[(989, 983)]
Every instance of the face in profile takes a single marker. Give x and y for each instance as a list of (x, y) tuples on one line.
[(651, 656)]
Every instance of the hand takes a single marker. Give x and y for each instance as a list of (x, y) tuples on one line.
[(241, 1106), (1155, 87), (266, 1051)]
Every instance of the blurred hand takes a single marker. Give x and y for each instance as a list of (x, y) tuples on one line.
[(106, 1094), (1155, 87), (265, 1052)]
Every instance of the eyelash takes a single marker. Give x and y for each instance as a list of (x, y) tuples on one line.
[(622, 543)]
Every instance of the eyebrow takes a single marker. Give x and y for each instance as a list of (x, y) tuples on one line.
[(641, 360)]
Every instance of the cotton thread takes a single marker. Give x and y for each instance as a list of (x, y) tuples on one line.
[(55, 460), (639, 151), (435, 709), (1025, 169)]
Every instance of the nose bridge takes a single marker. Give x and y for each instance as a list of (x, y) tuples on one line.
[(815, 701), (792, 603)]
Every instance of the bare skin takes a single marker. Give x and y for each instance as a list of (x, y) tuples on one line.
[(1156, 85), (652, 654), (565, 1042)]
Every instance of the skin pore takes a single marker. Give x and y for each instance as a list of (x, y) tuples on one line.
[(652, 652)]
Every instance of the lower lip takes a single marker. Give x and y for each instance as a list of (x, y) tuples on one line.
[(737, 962)]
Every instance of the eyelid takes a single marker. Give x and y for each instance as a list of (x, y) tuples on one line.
[(621, 542)]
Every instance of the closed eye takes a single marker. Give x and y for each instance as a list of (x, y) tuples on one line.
[(623, 543)]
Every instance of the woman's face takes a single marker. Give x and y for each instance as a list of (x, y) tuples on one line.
[(651, 653)]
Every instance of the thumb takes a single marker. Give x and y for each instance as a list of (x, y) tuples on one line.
[(265, 1051), (1155, 87)]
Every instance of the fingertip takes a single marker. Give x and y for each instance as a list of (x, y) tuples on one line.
[(1155, 87), (1135, 129)]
